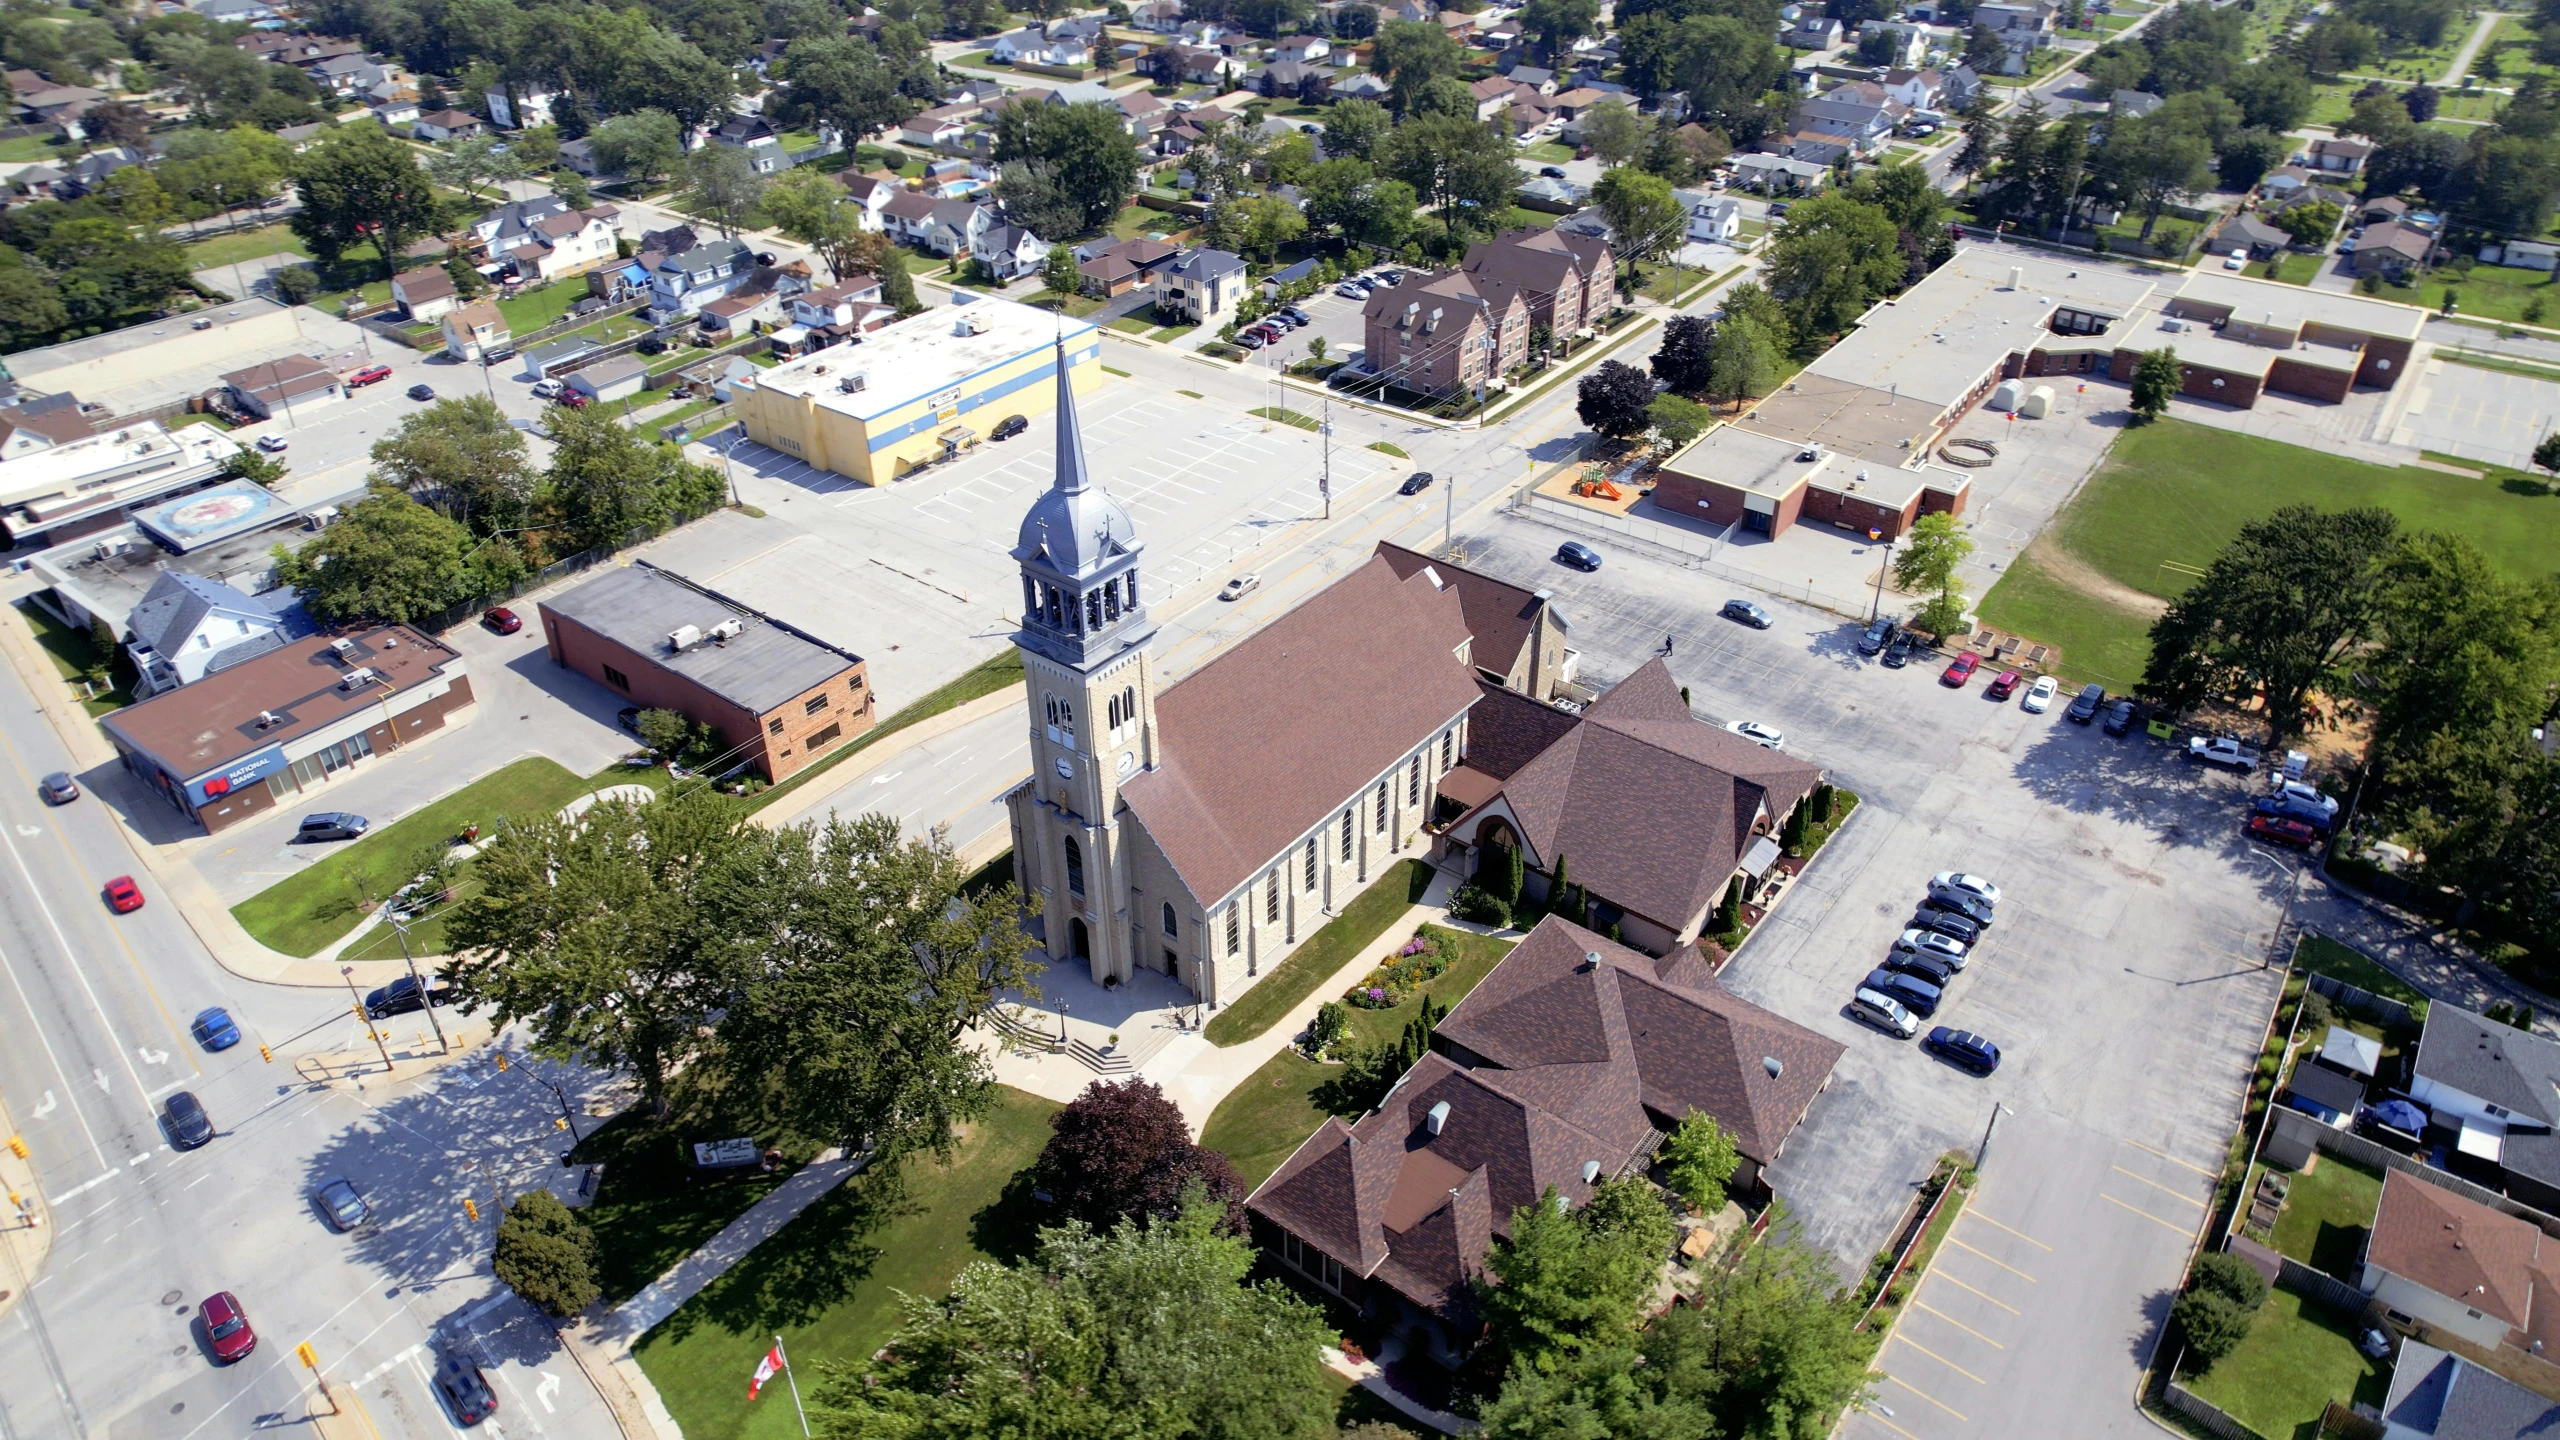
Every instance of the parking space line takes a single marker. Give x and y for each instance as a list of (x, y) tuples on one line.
[(1925, 1395), (1984, 1294), (2156, 1185), (2012, 1269), (1950, 1319), (1889, 1425), (2145, 1214), (1972, 1214), (2174, 1160), (1934, 1355)]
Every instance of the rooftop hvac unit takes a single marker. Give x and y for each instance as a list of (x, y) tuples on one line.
[(110, 549), (852, 384), (729, 629), (969, 325), (358, 678), (268, 720), (684, 637), (344, 649)]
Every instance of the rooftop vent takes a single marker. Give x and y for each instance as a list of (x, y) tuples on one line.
[(1438, 1119), (729, 629), (344, 649), (852, 384), (358, 678), (1590, 1171), (1775, 1066), (268, 719), (2017, 277)]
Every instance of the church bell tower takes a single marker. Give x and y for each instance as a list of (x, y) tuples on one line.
[(1091, 697)]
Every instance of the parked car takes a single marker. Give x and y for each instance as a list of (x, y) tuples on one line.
[(2119, 718), (1963, 1048), (1946, 922), (422, 392), (1758, 734), (2002, 686), (628, 717), (1976, 886), (1963, 902), (502, 620), (226, 1327), (331, 825), (1253, 340), (2286, 807), (1916, 995), (1578, 555), (1960, 670), (571, 399), (215, 1030), (2307, 796), (2282, 831), (123, 896), (547, 389), (2222, 750), (1921, 965), (1008, 427), (1415, 483), (401, 996), (58, 788), (1294, 315), (1885, 1013), (2039, 695), (2084, 706), (274, 444), (369, 375), (340, 1201), (1349, 291), (1898, 654), (465, 1389), (1945, 949), (1749, 612), (1551, 172), (1240, 587), (1879, 634), (188, 1125)]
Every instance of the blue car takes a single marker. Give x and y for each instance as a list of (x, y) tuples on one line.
[(215, 1030), (1964, 1048)]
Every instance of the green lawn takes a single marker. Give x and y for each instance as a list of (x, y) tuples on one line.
[(23, 148), (1383, 448), (305, 912), (244, 245), (2291, 268), (75, 656), (1550, 153), (2323, 956), (2327, 1215), (1170, 332), (652, 1210), (1285, 416), (1327, 950), (1263, 1120), (829, 1282), (1138, 221), (2297, 1359), (533, 309), (2495, 292), (1132, 325), (2098, 641)]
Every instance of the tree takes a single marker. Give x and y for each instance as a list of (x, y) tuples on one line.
[(1982, 132), (2222, 1297), (2247, 156), (2310, 224), (1678, 421), (255, 466), (1613, 131), (1059, 275), (1558, 23), (641, 146), (572, 188), (1569, 1280), (1645, 218), (1085, 146), (1353, 129), (608, 484), (2277, 614), (462, 457), (1769, 1347), (596, 931), (1453, 164), (841, 82), (2157, 379), (721, 184), (1617, 400), (1983, 49), (1742, 359), (2421, 101), (2151, 159), (1832, 257), (1269, 222), (1698, 1159), (2336, 44), (664, 731), (1907, 196), (811, 208), (1412, 54), (1684, 359), (1144, 1330), (873, 254), (468, 164), (358, 185), (547, 1255), (1123, 1151), (388, 558), (1930, 563), (2546, 453)]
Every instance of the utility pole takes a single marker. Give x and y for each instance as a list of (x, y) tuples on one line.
[(1877, 609), (1324, 482), (349, 973), (1984, 1148), (426, 997)]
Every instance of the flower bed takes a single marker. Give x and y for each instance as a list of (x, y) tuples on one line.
[(1419, 962)]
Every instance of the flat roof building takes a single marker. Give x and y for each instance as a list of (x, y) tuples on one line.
[(920, 390), (250, 738), (775, 697), (90, 484)]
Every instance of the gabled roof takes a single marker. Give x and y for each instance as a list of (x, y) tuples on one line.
[(177, 603), (2484, 1259), (1499, 614), (2498, 1063), (1537, 261), (2445, 1397), (1206, 264)]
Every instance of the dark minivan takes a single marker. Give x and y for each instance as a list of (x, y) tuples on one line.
[(2084, 706)]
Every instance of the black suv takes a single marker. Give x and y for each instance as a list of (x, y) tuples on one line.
[(401, 996), (2084, 706), (1917, 995), (1415, 483), (1898, 654), (1880, 633), (2119, 717), (189, 1126), (1008, 427)]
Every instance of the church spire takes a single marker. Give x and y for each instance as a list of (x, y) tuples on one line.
[(1073, 474)]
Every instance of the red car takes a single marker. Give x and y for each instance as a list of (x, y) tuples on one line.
[(574, 399), (1961, 671), (369, 375), (503, 620), (2005, 686), (123, 896), (226, 1328), (2283, 831)]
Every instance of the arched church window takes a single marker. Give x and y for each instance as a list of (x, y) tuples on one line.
[(1030, 596), (1132, 601), (1116, 714), (1075, 866), (1129, 701), (1093, 610), (1170, 928)]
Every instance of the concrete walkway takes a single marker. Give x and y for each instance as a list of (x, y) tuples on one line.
[(2460, 65), (632, 1319), (2416, 950)]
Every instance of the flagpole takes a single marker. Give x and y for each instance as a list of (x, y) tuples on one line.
[(794, 1382)]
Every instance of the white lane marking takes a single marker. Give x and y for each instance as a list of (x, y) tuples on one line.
[(103, 1086), (47, 1107), (70, 954), (885, 779), (136, 1160), (165, 1089), (151, 1056), (472, 1315), (543, 1392), (81, 1189), (30, 831), (190, 1185)]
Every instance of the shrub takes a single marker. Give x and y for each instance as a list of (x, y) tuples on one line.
[(2214, 1327), (651, 345), (664, 731), (2232, 1278), (1698, 1159), (296, 283), (547, 1255), (1477, 906), (1123, 1151), (1332, 1022), (1420, 961)]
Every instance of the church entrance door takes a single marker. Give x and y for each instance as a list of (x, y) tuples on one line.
[(1081, 940)]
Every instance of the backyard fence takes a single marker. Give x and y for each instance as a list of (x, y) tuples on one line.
[(2320, 1285), (2207, 1414), (2346, 1144), (2380, 1008), (2344, 1422)]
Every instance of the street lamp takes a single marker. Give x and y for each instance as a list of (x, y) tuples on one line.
[(1984, 1149), (2292, 892), (1876, 610)]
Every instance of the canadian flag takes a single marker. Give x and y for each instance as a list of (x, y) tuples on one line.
[(766, 1369)]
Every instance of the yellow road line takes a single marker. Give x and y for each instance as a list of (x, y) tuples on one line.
[(1950, 1319), (1901, 1338), (2145, 1214), (1925, 1395), (2174, 1160), (1970, 1213), (2012, 1269), (1889, 1425), (1985, 1294), (2156, 1185)]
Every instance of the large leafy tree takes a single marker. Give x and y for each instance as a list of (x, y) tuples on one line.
[(607, 484), (1770, 1346), (1412, 55), (1143, 1331), (1683, 360), (1614, 132), (1568, 1280), (1353, 129), (1085, 146), (1833, 256), (1645, 218), (389, 558), (546, 1254), (1928, 563), (2276, 614), (360, 186), (1558, 23), (845, 83), (812, 209), (1699, 1158), (1453, 163), (2157, 378), (1123, 1151), (722, 186), (464, 458), (642, 145), (2151, 159), (1616, 399)]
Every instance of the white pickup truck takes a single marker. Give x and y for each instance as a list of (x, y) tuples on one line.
[(2222, 750)]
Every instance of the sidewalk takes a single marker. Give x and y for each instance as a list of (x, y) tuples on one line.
[(28, 1240), (630, 1320), (2416, 950)]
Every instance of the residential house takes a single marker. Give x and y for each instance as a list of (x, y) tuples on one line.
[(1916, 89), (606, 381), (1293, 79), (570, 243), (1447, 334), (59, 106), (754, 136), (2522, 255), (1203, 286), (1713, 219), (42, 424), (1278, 281), (500, 228), (1862, 124), (2134, 104), (1367, 85), (2388, 207), (683, 284), (869, 194), (424, 294), (2339, 155), (476, 332), (1143, 111), (2471, 1275), (1192, 64), (1493, 95), (1535, 77), (850, 307), (2492, 1094), (1087, 28), (357, 76), (2023, 26), (1023, 44), (1304, 49), (1815, 32), (295, 385), (187, 627), (953, 226), (1566, 280), (520, 109), (1208, 35), (1008, 251), (1572, 104), (398, 110), (1779, 174), (907, 215), (1552, 195), (939, 128), (545, 362), (1905, 44), (2393, 250), (1961, 87), (2436, 1395), (580, 155), (2249, 234), (1029, 47), (446, 125), (1161, 17)]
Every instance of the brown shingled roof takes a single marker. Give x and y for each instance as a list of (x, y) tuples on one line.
[(2485, 1259), (1500, 615)]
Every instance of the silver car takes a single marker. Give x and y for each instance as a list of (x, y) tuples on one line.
[(1946, 949), (1974, 885), (1885, 1013)]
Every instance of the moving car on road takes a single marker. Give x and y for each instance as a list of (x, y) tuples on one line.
[(226, 1327), (215, 1030), (123, 896), (422, 392), (1415, 483), (274, 444), (1963, 1048), (2039, 695), (401, 996), (2222, 750), (465, 1389), (189, 1126), (369, 375), (1749, 612), (58, 788), (1240, 587), (340, 1201), (332, 825)]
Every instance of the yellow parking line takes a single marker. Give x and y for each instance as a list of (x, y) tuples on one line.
[(1925, 1395), (1950, 1319), (2012, 1269), (1889, 1425), (2145, 1214), (2174, 1160), (2156, 1185), (1950, 1279), (1934, 1355), (1972, 1214)]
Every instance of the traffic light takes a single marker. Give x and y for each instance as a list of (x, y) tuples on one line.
[(502, 1061), (18, 1146), (266, 1054), (470, 1207), (309, 1357)]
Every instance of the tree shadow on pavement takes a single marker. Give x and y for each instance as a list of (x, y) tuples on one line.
[(2082, 769)]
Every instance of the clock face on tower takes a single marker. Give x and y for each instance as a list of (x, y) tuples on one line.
[(1066, 771)]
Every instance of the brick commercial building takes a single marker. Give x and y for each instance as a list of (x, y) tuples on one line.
[(253, 737), (1445, 334), (776, 698), (1731, 474)]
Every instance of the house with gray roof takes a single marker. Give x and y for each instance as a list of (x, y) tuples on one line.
[(2436, 1395), (684, 283), (2492, 1093), (187, 627)]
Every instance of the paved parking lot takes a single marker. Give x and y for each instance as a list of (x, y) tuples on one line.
[(2122, 982), (2479, 414), (1337, 319)]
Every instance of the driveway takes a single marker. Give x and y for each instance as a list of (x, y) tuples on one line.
[(2122, 982)]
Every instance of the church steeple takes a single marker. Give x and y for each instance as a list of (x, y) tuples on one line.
[(1078, 550)]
